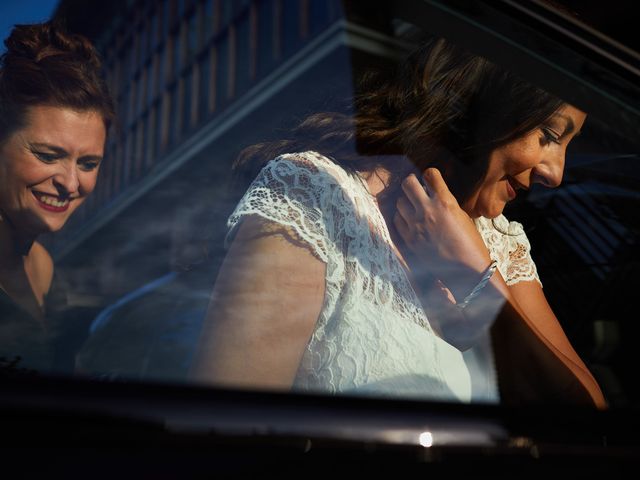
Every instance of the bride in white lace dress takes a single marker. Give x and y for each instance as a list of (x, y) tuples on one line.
[(351, 272)]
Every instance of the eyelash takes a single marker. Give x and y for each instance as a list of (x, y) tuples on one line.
[(89, 166), (46, 157), (550, 136), (86, 166)]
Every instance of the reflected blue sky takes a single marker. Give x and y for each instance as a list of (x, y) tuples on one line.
[(23, 11)]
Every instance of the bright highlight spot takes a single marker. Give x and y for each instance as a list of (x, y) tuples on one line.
[(426, 439)]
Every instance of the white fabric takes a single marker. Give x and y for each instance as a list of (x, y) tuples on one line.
[(372, 335), (509, 246)]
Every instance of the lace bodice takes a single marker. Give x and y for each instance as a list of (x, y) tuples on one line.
[(372, 335)]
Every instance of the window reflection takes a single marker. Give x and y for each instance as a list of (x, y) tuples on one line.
[(219, 76)]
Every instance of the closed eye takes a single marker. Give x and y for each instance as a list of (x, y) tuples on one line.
[(47, 153), (550, 136), (46, 157), (89, 164)]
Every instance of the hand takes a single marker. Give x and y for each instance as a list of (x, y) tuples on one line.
[(437, 232)]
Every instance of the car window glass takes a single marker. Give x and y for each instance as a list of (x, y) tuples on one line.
[(137, 266)]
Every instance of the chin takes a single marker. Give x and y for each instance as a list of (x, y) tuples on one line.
[(45, 227), (56, 228), (491, 213), (484, 209)]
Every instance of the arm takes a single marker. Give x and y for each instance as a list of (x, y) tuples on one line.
[(264, 307), (535, 360), (537, 312)]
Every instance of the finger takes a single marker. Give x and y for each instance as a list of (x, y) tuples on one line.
[(434, 182), (406, 209), (402, 227), (414, 191)]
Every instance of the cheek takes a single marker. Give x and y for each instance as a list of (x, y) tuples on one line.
[(88, 181), (490, 195), (29, 174), (524, 157)]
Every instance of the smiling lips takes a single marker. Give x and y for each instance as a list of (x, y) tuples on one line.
[(52, 203)]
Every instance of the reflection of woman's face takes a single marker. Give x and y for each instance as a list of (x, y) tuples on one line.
[(537, 157), (48, 167)]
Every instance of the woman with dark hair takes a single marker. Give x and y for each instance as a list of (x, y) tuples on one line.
[(55, 111), (372, 269)]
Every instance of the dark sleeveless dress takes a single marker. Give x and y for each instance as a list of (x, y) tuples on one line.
[(26, 343)]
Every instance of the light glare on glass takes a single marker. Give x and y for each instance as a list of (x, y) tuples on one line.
[(426, 439)]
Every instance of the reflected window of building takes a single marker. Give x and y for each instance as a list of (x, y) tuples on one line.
[(209, 20), (150, 133), (166, 115), (243, 53), (291, 26), (226, 12), (179, 48), (152, 78), (223, 70), (139, 148), (266, 37), (126, 161), (187, 90), (192, 34), (169, 59), (166, 18), (155, 34), (204, 87), (173, 115)]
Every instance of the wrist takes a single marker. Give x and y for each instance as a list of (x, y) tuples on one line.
[(462, 276), (486, 276)]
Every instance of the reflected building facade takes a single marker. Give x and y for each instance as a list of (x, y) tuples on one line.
[(195, 81)]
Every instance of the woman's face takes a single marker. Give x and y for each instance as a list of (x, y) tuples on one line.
[(537, 157), (48, 167)]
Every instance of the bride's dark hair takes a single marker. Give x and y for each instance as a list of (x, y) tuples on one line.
[(446, 107)]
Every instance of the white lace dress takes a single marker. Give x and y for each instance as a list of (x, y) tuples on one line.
[(372, 335)]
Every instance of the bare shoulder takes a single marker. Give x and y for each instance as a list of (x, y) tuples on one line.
[(254, 226), (256, 230), (274, 253), (42, 267)]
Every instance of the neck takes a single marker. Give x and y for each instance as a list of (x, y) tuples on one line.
[(378, 181), (383, 185), (13, 244)]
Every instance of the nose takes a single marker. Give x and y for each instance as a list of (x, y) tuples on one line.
[(66, 180), (549, 172)]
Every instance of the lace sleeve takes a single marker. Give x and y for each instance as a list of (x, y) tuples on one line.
[(294, 191), (509, 246)]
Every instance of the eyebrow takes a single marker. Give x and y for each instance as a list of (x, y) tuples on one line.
[(61, 151)]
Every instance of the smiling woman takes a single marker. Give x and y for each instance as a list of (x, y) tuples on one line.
[(53, 165), (370, 280), (55, 111), (537, 157)]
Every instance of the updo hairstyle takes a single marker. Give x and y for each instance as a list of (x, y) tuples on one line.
[(44, 65)]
